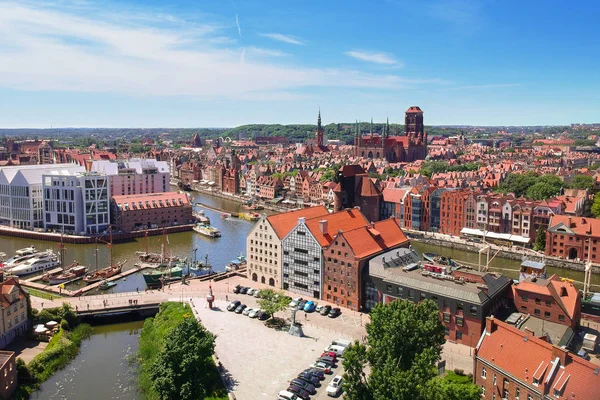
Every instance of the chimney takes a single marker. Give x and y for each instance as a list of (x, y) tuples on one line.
[(490, 324), (529, 331), (324, 227), (560, 353), (301, 220)]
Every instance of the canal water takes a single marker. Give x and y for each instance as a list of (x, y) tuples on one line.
[(222, 250), (104, 368)]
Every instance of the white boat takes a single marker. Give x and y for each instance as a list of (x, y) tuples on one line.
[(16, 260), (26, 251), (207, 230), (41, 262)]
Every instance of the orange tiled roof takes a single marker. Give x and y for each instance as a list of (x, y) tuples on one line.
[(372, 239), (552, 287), (344, 220), (284, 223), (580, 225), (524, 356), (153, 200)]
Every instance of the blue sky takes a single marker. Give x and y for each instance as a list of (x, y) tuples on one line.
[(218, 63)]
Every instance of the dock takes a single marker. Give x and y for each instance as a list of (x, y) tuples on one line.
[(215, 209)]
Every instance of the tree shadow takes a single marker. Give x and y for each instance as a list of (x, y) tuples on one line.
[(278, 324), (228, 379)]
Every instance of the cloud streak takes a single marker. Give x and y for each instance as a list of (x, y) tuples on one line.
[(373, 57), (237, 22), (283, 38)]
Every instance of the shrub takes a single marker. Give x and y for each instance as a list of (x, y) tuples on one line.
[(459, 372), (64, 325)]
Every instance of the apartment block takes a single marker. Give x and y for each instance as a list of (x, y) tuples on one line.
[(76, 202), (135, 176), (14, 321)]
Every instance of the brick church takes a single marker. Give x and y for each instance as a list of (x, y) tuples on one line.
[(410, 147)]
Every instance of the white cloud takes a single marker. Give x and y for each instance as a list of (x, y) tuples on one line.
[(283, 38), (373, 57), (46, 49), (237, 22)]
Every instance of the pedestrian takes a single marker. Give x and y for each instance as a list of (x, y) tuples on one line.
[(42, 304), (137, 289), (226, 299)]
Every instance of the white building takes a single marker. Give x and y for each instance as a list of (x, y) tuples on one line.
[(135, 176), (21, 198), (77, 203)]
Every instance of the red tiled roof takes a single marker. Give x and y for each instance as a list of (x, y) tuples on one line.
[(372, 239), (393, 195), (553, 287), (521, 355), (344, 220), (284, 223), (153, 200), (580, 225), (414, 109), (368, 188)]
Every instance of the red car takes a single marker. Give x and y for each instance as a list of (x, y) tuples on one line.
[(329, 354)]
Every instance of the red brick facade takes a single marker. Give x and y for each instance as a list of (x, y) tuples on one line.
[(133, 212)]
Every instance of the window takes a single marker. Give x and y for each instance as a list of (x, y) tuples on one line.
[(505, 394), (524, 298), (459, 320), (446, 317), (458, 335), (536, 311), (546, 314), (482, 391), (399, 291), (538, 301), (389, 288), (536, 381), (495, 380), (548, 303), (561, 317), (517, 393), (529, 397), (473, 310)]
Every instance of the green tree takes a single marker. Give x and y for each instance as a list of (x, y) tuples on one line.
[(596, 206), (582, 182), (272, 302), (331, 175), (442, 389), (540, 239), (181, 370), (404, 343), (541, 191)]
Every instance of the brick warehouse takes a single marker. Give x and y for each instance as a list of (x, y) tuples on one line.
[(134, 212)]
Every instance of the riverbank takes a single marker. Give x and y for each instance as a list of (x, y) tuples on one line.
[(155, 335), (436, 239), (76, 239)]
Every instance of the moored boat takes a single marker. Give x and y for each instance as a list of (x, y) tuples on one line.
[(105, 285), (26, 251), (207, 230), (68, 275), (249, 216), (157, 276), (236, 264), (103, 273), (40, 262), (439, 259), (532, 269)]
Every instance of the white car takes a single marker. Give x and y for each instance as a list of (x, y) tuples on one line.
[(285, 395), (254, 312), (294, 303), (318, 308), (247, 311), (249, 291), (322, 366), (335, 386)]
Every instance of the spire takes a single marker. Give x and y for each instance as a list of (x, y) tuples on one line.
[(371, 131), (357, 129), (387, 127), (319, 120)]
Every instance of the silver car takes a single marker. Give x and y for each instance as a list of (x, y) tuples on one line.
[(246, 311), (254, 312)]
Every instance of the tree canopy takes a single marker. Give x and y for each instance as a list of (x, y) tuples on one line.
[(582, 182), (182, 368), (540, 239), (404, 343), (272, 302), (531, 185), (596, 206), (429, 168)]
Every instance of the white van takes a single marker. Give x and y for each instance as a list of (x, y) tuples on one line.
[(338, 350), (341, 342), (285, 395)]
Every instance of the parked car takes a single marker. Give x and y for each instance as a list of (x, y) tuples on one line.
[(263, 315), (328, 353), (322, 366), (318, 308), (325, 310), (310, 378), (310, 306), (294, 303), (244, 289), (309, 387), (237, 288), (334, 313), (246, 311), (301, 304), (254, 313), (328, 360), (317, 373), (240, 308), (249, 291), (335, 386), (341, 342), (286, 395), (337, 350), (256, 293), (298, 391), (233, 305)]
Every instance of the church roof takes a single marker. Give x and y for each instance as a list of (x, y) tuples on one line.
[(414, 110)]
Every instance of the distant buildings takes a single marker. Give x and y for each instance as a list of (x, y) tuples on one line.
[(408, 148), (154, 210), (512, 364), (135, 176)]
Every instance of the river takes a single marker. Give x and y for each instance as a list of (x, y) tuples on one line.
[(222, 250), (104, 368)]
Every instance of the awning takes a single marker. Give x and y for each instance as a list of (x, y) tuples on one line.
[(276, 200), (494, 235)]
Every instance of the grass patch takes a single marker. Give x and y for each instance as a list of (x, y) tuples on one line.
[(43, 295), (453, 377), (152, 340)]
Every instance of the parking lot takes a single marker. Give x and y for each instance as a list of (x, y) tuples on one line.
[(259, 361)]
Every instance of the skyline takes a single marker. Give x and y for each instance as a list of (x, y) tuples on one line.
[(143, 64)]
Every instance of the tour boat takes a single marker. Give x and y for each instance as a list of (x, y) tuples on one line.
[(532, 269), (41, 262), (207, 230), (103, 273), (249, 216), (69, 274), (200, 268)]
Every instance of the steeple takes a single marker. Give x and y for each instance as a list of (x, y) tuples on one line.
[(387, 128), (319, 136), (319, 120), (371, 131)]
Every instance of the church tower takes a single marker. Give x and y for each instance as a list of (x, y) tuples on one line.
[(320, 132), (413, 123)]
